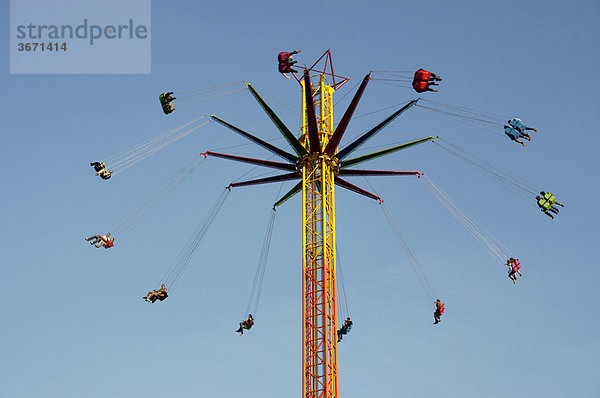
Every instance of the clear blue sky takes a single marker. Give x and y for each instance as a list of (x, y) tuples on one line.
[(73, 323)]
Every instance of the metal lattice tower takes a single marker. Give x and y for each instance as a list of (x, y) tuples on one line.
[(319, 337)]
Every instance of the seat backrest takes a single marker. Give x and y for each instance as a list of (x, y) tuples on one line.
[(514, 133), (422, 74), (281, 57)]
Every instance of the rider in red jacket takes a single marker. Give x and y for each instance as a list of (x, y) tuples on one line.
[(439, 310)]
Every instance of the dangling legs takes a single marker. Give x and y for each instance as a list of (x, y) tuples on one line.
[(148, 296), (94, 239)]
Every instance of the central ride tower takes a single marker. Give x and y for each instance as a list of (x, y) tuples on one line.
[(319, 165), (319, 332)]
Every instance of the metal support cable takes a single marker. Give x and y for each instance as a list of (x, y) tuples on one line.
[(421, 276), (259, 275), (173, 274), (494, 247), (124, 226)]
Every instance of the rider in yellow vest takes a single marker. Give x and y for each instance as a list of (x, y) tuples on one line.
[(546, 202)]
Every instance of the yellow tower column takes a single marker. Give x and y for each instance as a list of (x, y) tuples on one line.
[(319, 335)]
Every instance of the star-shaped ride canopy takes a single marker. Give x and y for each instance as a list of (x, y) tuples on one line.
[(294, 161)]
